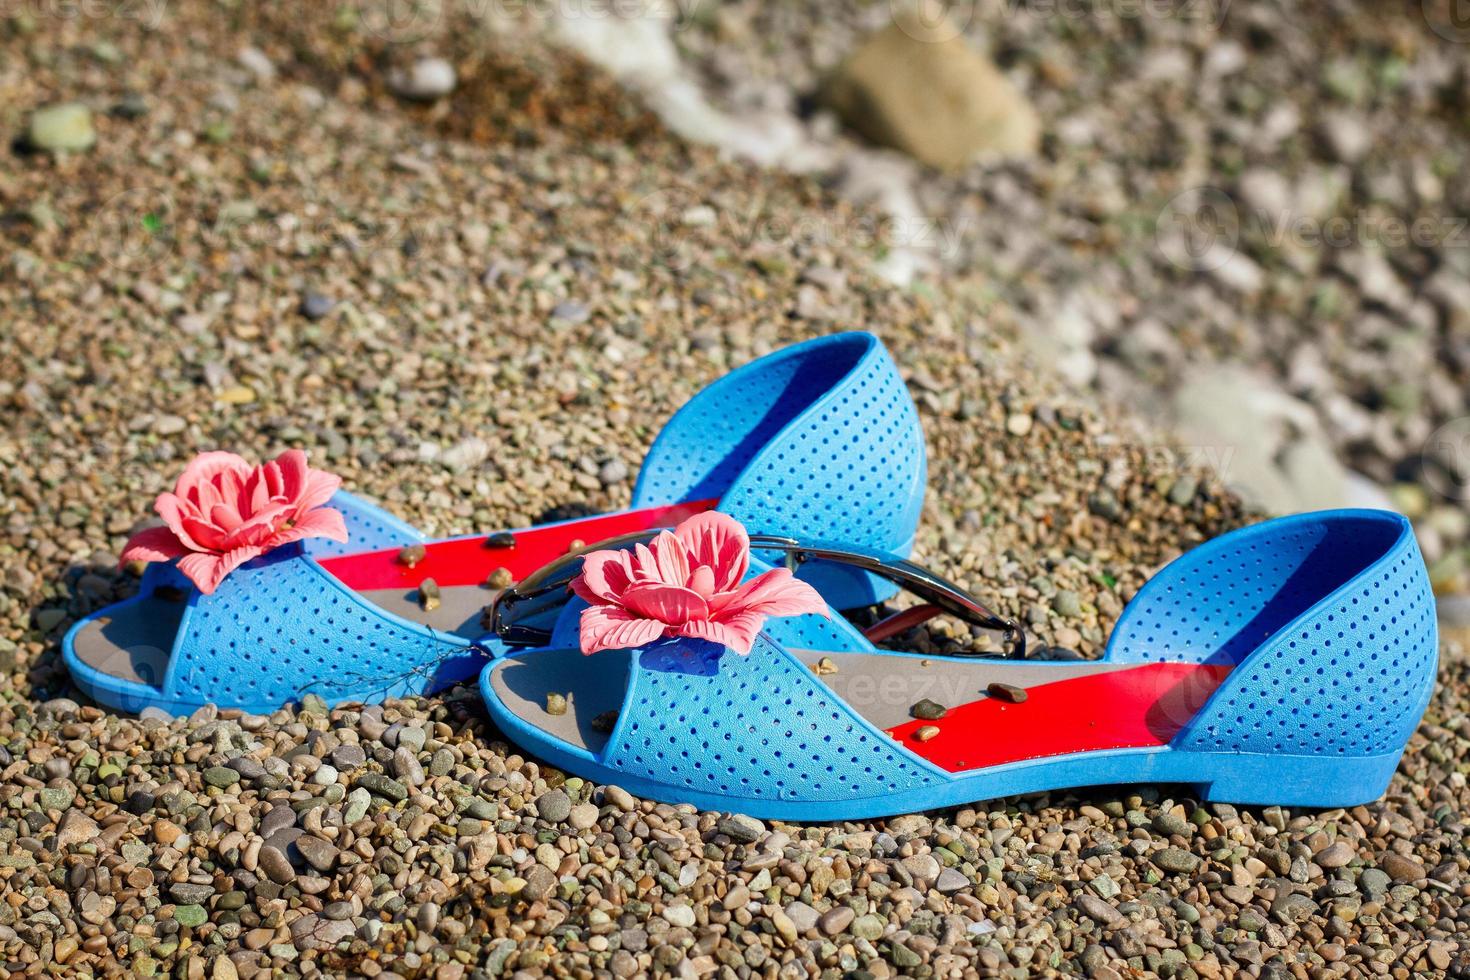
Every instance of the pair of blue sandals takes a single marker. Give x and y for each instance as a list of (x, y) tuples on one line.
[(1287, 662)]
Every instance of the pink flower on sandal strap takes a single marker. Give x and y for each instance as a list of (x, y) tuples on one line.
[(224, 512), (685, 583)]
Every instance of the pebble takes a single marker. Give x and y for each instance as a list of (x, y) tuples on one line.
[(868, 927), (570, 313), (951, 881), (540, 882), (1067, 604), (316, 306), (406, 766), (802, 916), (1009, 693), (619, 798), (740, 828), (66, 127), (927, 710), (1374, 884), (1400, 868), (425, 80), (356, 805), (348, 756), (188, 893), (257, 63), (554, 806), (681, 916), (923, 867), (583, 816), (221, 776), (381, 785), (276, 866), (191, 916), (1176, 860), (613, 472), (836, 920), (1335, 855), (1097, 910), (1019, 424)]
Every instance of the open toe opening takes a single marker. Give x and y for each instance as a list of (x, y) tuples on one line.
[(563, 694), (131, 642), (125, 648)]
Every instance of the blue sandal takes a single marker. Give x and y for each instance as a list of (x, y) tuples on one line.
[(1285, 663), (821, 435)]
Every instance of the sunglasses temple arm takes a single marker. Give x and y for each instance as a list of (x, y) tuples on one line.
[(932, 588)]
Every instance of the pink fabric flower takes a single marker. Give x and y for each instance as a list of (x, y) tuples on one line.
[(224, 512), (685, 583)]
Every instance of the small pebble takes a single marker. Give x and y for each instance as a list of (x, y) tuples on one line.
[(554, 806), (927, 710), (316, 306), (1009, 693)]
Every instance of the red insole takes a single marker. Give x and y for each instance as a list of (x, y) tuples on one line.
[(1136, 707), (468, 561)]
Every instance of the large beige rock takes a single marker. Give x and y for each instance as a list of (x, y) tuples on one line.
[(918, 86)]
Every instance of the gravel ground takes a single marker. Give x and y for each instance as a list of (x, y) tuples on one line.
[(472, 333)]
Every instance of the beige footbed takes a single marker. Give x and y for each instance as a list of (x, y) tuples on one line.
[(881, 688), (133, 642)]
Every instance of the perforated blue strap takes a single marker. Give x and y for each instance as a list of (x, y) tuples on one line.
[(759, 727), (369, 528), (281, 626)]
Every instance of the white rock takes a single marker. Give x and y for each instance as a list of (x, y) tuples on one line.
[(255, 61), (425, 80), (679, 915), (1346, 135)]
